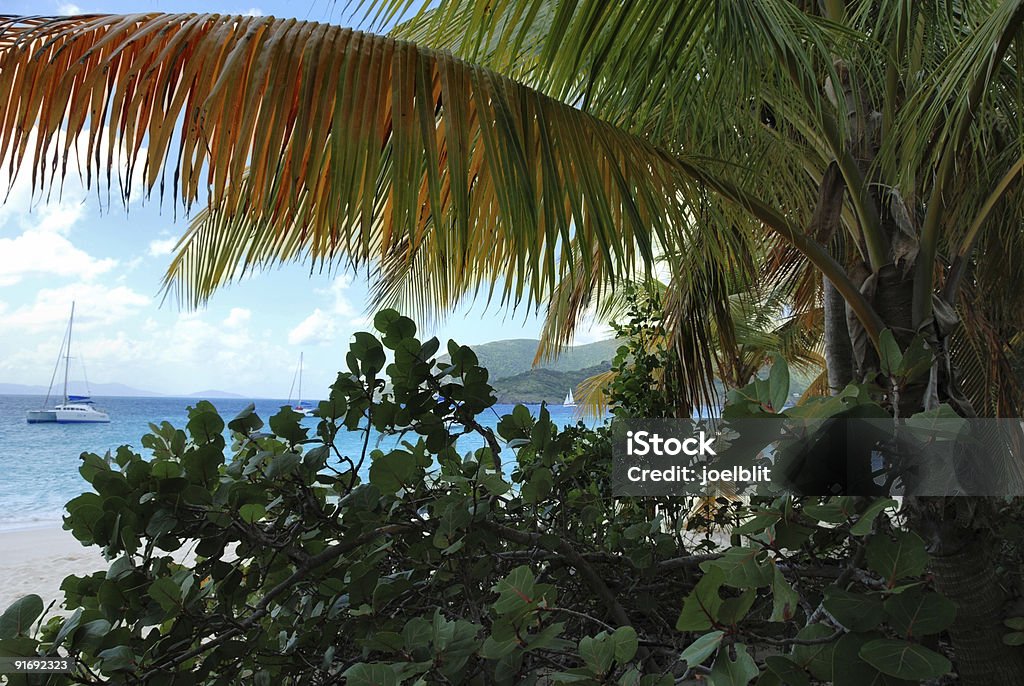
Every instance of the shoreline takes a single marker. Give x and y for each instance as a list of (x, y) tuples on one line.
[(36, 559)]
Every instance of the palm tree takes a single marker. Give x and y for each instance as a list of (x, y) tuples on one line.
[(501, 148)]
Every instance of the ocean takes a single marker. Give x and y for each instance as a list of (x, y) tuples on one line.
[(39, 462)]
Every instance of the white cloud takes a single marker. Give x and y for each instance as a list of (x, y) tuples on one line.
[(45, 250), (253, 12), (162, 246), (183, 354), (318, 328), (340, 304), (591, 331), (237, 317), (68, 9), (96, 305), (35, 228)]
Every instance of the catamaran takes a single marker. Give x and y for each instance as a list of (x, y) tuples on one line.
[(303, 408), (76, 409), (569, 400)]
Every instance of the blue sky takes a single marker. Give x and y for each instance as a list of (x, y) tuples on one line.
[(110, 261)]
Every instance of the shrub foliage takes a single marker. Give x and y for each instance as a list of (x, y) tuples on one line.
[(280, 559)]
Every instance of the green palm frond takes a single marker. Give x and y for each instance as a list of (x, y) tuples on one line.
[(364, 150)]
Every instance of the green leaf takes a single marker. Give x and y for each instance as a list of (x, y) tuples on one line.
[(493, 649), (393, 471), (597, 653), (817, 658), (246, 421), (417, 633), (785, 600), (626, 643), (758, 523), (252, 512), (89, 635), (17, 619), (1014, 638), (789, 672), (515, 591), (729, 672), (892, 357), (370, 674), (848, 669), (743, 567), (855, 611), (702, 648), (166, 593), (778, 383), (863, 525), (117, 659), (733, 610), (917, 612), (904, 555), (917, 360), (283, 465), (67, 626), (205, 425), (700, 609), (835, 511), (904, 660)]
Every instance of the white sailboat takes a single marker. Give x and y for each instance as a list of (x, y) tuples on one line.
[(569, 400), (75, 409), (303, 408)]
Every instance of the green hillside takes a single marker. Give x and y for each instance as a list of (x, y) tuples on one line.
[(537, 385), (508, 358)]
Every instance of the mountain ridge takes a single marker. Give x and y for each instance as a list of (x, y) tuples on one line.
[(514, 356)]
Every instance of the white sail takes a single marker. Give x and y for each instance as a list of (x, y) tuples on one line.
[(75, 409), (306, 410), (570, 401)]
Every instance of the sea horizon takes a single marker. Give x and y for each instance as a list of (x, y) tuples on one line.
[(40, 462)]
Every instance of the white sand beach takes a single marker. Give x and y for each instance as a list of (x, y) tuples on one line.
[(36, 560)]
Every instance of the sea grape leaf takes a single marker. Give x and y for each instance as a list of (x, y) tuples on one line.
[(864, 522), (918, 612), (789, 672), (729, 672), (899, 557), (855, 611), (816, 658), (784, 599), (743, 567), (18, 617), (700, 609), (904, 660), (702, 648)]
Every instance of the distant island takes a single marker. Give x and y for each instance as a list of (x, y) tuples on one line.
[(516, 380), (509, 364), (115, 390)]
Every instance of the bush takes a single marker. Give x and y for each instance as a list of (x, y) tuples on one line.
[(280, 559)]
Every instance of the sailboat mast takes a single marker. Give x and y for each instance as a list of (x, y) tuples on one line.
[(67, 352), (300, 378)]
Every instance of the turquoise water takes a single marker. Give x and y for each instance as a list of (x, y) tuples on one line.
[(39, 462)]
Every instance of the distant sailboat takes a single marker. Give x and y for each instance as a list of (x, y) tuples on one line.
[(569, 400), (76, 409), (303, 408)]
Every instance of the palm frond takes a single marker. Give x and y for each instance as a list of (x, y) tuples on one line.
[(360, 146)]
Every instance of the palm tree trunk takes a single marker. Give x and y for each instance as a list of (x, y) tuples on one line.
[(958, 529), (964, 570), (838, 349)]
